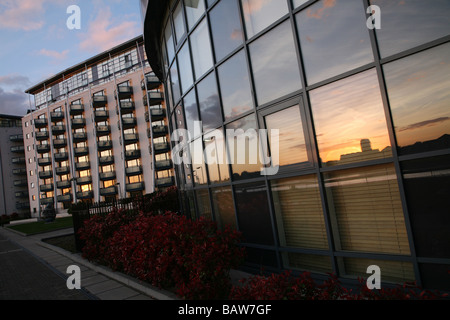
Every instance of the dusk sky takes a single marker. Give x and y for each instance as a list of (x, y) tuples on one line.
[(36, 42)]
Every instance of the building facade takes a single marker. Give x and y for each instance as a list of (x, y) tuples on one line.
[(363, 117), (13, 174), (97, 132)]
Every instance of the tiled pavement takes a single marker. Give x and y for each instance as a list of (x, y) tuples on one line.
[(34, 270)]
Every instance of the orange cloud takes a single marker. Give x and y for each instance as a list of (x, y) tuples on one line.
[(103, 35), (318, 14), (54, 54)]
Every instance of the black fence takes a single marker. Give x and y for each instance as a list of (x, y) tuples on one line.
[(155, 203)]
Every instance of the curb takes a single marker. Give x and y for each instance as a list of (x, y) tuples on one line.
[(145, 288)]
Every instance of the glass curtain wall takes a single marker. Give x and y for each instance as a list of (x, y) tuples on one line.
[(354, 166)]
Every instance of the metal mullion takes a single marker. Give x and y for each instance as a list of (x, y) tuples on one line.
[(392, 137)]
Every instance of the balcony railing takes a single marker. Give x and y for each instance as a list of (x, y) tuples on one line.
[(46, 187), (78, 123), (59, 143), (163, 165), (110, 191), (159, 131), (83, 165), (20, 171), (104, 145), (103, 161), (16, 138), (48, 200), (62, 156), (40, 123), (152, 82), (76, 109), (126, 107), (164, 182), (84, 180), (43, 148), (101, 115), (156, 98), (124, 92), (62, 170), (99, 101), (18, 149), (132, 154), (58, 129), (129, 122), (65, 184), (130, 138), (85, 195), (20, 183), (79, 137), (18, 160), (44, 161), (41, 135), (45, 174), (138, 186), (103, 130), (81, 151), (64, 198), (21, 194), (161, 147), (57, 116), (104, 176), (158, 114), (132, 171)]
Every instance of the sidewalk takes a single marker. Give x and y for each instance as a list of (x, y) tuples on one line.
[(31, 269)]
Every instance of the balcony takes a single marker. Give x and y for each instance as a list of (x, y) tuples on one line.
[(158, 114), (104, 145), (41, 135), (127, 107), (45, 201), (76, 109), (78, 123), (85, 195), (101, 115), (40, 123), (20, 183), (43, 148), (60, 129), (20, 172), (164, 182), (159, 131), (57, 116), (128, 123), (133, 171), (62, 170), (152, 82), (82, 166), (45, 174), (22, 194), (16, 138), (18, 149), (104, 161), (161, 147), (103, 130), (59, 143), (84, 180), (22, 205), (132, 187), (110, 175), (65, 184), (79, 137), (163, 165), (132, 154), (62, 156), (110, 191), (130, 138), (124, 92), (99, 101), (46, 187), (81, 151), (18, 160), (44, 161), (64, 198), (156, 98)]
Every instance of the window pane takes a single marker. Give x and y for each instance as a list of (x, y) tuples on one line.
[(299, 214), (307, 262), (350, 121), (334, 38), (209, 101), (223, 207), (169, 42), (191, 111), (260, 14), (410, 24), (298, 3), (243, 148), (226, 28), (216, 156), (427, 188), (392, 271), (178, 22), (198, 163), (201, 49), (275, 64), (184, 62), (175, 83), (291, 140), (235, 86), (253, 213), (366, 210), (419, 95), (194, 10), (204, 205)]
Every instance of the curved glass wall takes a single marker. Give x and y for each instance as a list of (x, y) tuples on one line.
[(324, 140)]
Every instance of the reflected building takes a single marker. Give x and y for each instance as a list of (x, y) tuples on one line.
[(363, 122)]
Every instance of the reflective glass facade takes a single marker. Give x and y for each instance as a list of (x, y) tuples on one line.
[(363, 140)]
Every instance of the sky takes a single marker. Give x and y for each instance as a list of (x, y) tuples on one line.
[(36, 42)]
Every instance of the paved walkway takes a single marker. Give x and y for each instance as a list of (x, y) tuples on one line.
[(31, 269)]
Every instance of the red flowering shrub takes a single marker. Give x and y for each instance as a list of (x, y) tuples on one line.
[(286, 287), (167, 250)]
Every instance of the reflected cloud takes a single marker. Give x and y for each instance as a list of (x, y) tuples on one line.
[(426, 123), (318, 13)]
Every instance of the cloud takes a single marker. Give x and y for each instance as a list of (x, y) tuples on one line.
[(14, 80), (21, 14), (318, 14), (54, 54), (102, 34), (14, 102), (426, 123)]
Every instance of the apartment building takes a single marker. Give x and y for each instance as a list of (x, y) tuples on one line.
[(97, 132), (13, 174)]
